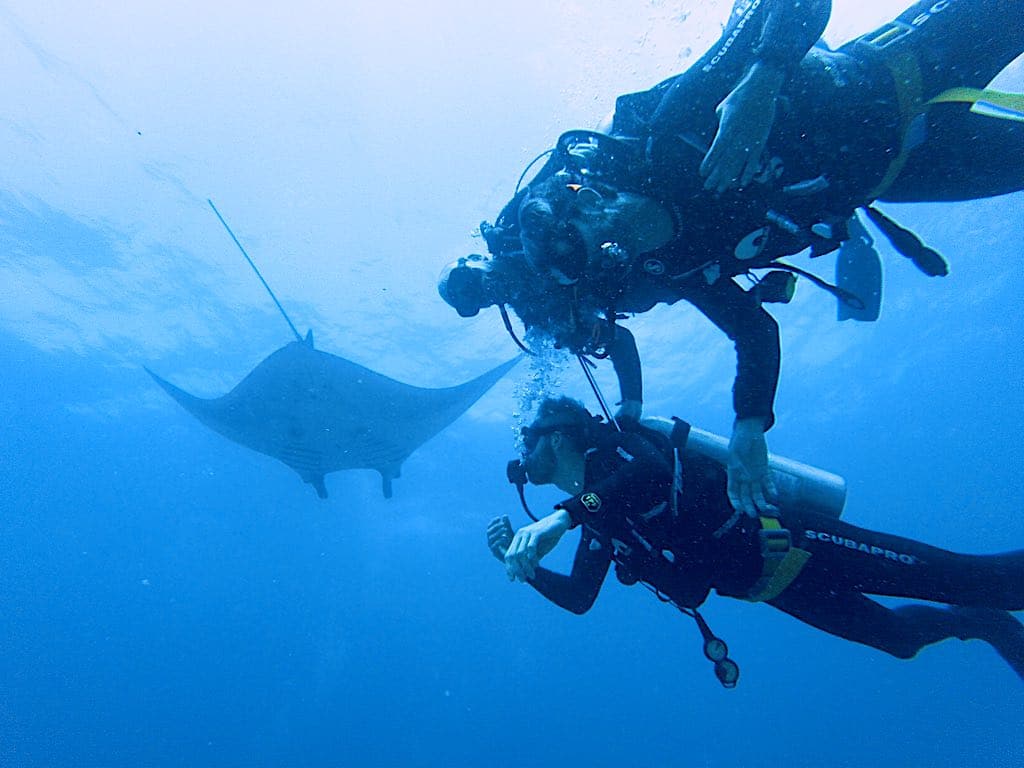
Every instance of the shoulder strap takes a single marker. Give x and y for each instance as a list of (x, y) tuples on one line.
[(673, 445)]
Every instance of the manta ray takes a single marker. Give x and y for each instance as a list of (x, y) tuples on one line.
[(320, 413)]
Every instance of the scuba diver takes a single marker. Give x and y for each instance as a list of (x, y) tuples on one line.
[(764, 148), (663, 517)]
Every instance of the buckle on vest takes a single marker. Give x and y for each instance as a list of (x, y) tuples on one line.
[(775, 543), (782, 562), (885, 36)]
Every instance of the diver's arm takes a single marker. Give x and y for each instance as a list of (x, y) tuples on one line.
[(755, 335), (770, 36), (790, 29), (746, 115), (625, 359), (577, 591), (745, 119), (533, 542), (739, 79)]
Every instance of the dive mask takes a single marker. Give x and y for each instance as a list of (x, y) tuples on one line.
[(462, 284)]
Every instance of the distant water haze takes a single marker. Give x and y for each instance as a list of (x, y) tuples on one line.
[(169, 598)]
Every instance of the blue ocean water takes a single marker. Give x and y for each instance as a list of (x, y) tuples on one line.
[(168, 598)]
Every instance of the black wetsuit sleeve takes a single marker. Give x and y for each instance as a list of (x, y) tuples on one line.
[(776, 32), (635, 485), (756, 336), (577, 591), (790, 29), (626, 360)]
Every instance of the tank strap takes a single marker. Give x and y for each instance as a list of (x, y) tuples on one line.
[(678, 438), (782, 561)]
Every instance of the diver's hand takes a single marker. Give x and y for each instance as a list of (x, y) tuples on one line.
[(745, 120), (499, 536), (532, 542), (751, 488), (629, 410)]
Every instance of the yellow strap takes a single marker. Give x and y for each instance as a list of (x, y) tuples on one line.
[(906, 75), (777, 577), (785, 574), (985, 101)]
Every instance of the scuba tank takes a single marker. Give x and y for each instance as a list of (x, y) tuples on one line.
[(801, 487)]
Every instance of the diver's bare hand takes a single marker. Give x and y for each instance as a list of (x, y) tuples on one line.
[(499, 536), (745, 119), (629, 410), (532, 542), (751, 488)]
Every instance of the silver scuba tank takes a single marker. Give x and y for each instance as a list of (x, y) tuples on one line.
[(801, 487)]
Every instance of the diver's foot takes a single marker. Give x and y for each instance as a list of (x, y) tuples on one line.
[(930, 262), (998, 628)]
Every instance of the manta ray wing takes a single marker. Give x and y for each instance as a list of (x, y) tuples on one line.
[(319, 413)]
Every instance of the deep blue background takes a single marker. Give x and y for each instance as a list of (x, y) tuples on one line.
[(168, 598), (172, 599)]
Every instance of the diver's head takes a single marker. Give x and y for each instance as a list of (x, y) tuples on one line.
[(466, 284), (570, 230), (552, 244), (555, 442)]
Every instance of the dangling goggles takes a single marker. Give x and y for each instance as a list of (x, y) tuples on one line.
[(462, 284)]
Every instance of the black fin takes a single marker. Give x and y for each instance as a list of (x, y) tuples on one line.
[(907, 243)]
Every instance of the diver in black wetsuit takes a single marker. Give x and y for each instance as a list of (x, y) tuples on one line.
[(763, 148), (821, 572)]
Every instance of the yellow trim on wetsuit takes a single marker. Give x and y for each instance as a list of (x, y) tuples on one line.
[(985, 101)]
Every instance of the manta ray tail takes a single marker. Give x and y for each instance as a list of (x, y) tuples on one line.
[(318, 486)]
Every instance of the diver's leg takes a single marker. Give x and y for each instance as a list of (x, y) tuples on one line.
[(966, 156), (882, 564), (901, 631), (960, 42), (963, 155), (1000, 629)]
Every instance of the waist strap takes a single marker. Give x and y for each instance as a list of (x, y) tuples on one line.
[(782, 561), (906, 76)]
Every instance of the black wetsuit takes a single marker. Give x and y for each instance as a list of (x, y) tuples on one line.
[(851, 126), (624, 517)]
